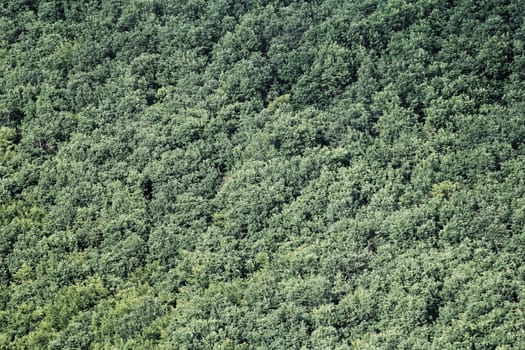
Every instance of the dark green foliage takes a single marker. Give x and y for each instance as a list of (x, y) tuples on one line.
[(262, 174)]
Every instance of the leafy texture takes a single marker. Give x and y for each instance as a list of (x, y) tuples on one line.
[(262, 174)]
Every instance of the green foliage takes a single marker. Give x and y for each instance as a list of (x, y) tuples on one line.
[(443, 189), (262, 174)]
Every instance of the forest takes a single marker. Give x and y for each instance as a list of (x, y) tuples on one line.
[(262, 174)]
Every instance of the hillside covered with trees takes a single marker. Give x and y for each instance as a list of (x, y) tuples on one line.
[(262, 174)]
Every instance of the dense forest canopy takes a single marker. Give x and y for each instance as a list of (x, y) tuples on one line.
[(262, 174)]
